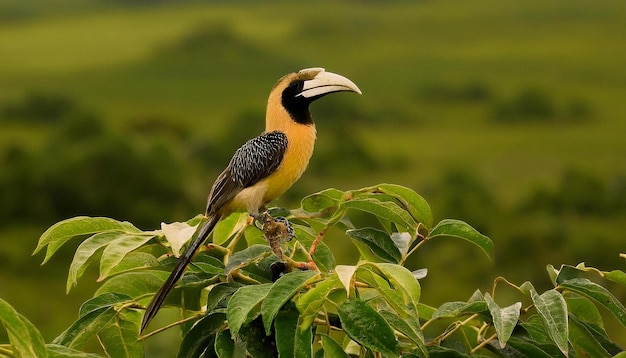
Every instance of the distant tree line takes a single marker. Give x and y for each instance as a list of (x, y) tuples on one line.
[(78, 163)]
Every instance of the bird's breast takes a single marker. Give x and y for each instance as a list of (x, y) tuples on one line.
[(301, 141)]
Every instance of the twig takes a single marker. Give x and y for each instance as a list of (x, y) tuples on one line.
[(317, 240), (141, 338), (483, 343), (235, 240), (6, 351), (417, 246), (455, 326)]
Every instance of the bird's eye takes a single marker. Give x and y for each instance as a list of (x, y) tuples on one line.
[(296, 86)]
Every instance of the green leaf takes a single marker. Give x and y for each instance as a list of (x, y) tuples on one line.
[(552, 273), (254, 236), (59, 351), (246, 257), (396, 279), (135, 283), (365, 253), (282, 290), (25, 339), (538, 333), (117, 329), (395, 300), (134, 261), (552, 308), (425, 312), (444, 352), (412, 202), (154, 249), (461, 230), (403, 281), (321, 201), (528, 348), (115, 251), (323, 256), (86, 327), (616, 276), (104, 300), (332, 349), (59, 233), (219, 294), (311, 302), (207, 264), (119, 337), (367, 327), (85, 251), (191, 287), (583, 309), (456, 309), (228, 226), (256, 342), (141, 284), (291, 341), (386, 210), (584, 341), (225, 346), (245, 305), (202, 335), (568, 272), (409, 327), (597, 293), (526, 288), (504, 319), (591, 340), (378, 241)]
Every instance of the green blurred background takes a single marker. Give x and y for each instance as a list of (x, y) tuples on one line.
[(509, 115)]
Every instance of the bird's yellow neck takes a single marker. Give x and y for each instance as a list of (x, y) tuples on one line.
[(301, 138)]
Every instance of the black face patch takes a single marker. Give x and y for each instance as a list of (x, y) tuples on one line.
[(297, 106)]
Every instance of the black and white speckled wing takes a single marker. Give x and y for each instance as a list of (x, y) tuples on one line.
[(256, 159)]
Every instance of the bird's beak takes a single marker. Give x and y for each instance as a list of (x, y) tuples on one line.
[(324, 83)]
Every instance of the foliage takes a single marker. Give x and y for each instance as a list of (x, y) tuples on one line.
[(473, 91), (57, 178), (37, 107), (580, 193), (236, 301), (535, 104)]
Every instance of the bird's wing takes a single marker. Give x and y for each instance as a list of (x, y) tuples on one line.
[(256, 159)]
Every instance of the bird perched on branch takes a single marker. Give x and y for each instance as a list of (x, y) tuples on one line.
[(265, 166)]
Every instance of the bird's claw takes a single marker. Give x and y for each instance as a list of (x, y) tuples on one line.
[(285, 229), (276, 231), (277, 228)]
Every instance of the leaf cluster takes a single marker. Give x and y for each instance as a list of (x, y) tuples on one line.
[(238, 300)]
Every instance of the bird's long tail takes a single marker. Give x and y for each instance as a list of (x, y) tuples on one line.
[(183, 261)]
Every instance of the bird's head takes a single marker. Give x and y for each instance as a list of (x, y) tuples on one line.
[(293, 93)]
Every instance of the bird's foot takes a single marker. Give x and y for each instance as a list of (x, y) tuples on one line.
[(276, 231), (278, 228)]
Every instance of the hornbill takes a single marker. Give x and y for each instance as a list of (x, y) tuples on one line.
[(265, 166)]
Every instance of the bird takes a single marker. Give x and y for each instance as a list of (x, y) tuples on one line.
[(264, 167)]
